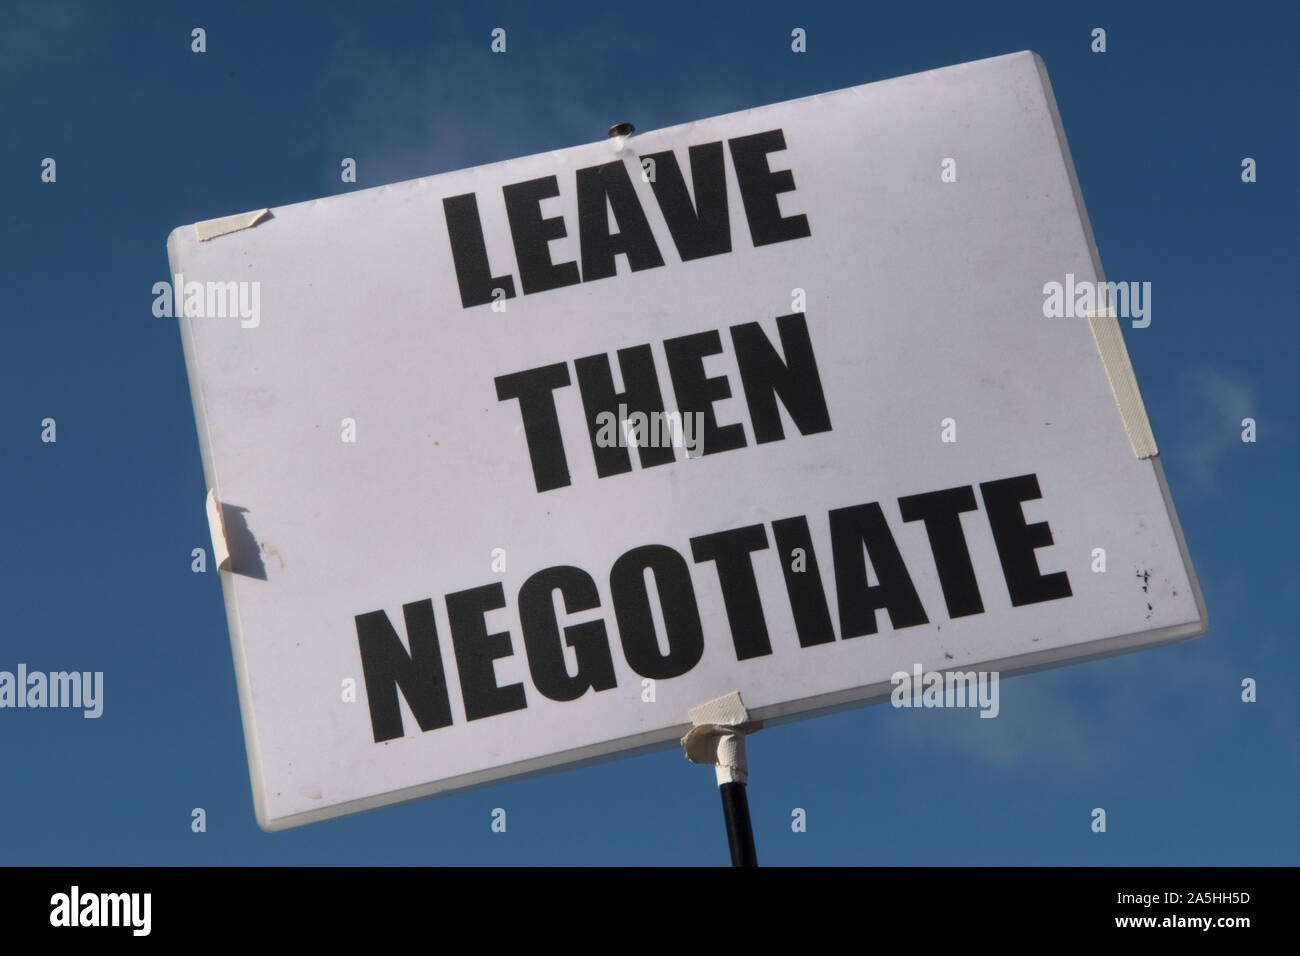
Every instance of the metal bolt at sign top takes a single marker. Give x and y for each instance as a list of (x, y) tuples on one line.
[(622, 129)]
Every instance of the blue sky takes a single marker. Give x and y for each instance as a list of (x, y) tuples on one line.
[(99, 526)]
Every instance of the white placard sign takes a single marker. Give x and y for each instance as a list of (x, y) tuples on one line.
[(517, 464)]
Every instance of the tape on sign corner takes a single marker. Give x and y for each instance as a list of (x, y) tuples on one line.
[(718, 737), (217, 528), (211, 228), (1123, 384)]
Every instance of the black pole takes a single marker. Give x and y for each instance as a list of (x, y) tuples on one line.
[(740, 832)]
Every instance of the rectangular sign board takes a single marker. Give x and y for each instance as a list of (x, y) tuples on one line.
[(515, 465)]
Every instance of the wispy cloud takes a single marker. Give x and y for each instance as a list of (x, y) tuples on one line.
[(447, 110), (1039, 720), (36, 33), (416, 118), (1080, 717), (1214, 407)]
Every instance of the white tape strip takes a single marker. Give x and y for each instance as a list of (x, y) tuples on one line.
[(217, 528), (718, 737), (212, 228), (1123, 384)]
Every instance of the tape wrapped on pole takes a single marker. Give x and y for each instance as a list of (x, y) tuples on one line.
[(718, 737)]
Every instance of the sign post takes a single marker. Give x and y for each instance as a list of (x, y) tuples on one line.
[(718, 738), (740, 832)]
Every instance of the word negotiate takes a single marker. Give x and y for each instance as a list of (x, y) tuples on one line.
[(856, 533)]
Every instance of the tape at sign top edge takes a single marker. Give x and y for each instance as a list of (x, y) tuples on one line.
[(211, 228)]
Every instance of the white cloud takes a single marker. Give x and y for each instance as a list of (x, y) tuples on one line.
[(1211, 426), (463, 106), (1039, 721)]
